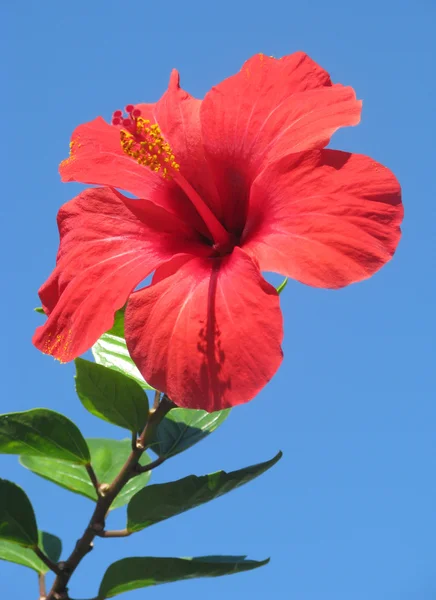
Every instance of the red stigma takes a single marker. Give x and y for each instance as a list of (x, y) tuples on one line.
[(127, 121)]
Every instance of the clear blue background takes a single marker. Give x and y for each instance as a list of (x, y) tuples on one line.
[(350, 511)]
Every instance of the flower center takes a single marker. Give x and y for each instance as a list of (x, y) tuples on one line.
[(224, 248), (144, 142)]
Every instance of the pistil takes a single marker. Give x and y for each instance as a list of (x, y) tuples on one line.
[(143, 141)]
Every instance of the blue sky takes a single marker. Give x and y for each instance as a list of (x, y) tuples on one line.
[(349, 512)]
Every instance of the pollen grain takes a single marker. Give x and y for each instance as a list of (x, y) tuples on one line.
[(143, 141), (60, 346), (74, 145)]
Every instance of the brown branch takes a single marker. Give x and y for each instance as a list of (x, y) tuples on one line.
[(145, 468), (156, 399), (41, 585), (115, 533), (93, 478), (97, 523), (45, 559)]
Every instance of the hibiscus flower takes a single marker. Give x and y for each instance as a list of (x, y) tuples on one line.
[(226, 187)]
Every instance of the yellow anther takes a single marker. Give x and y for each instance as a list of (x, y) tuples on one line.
[(147, 146), (74, 146), (59, 346)]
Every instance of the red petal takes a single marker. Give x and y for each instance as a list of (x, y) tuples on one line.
[(147, 110), (109, 244), (326, 218), (170, 267), (304, 122), (178, 115), (209, 335), (97, 158), (270, 108)]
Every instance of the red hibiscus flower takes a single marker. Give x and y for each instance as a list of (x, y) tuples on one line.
[(228, 187)]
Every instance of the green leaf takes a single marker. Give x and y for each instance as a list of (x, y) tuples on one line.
[(118, 326), (183, 427), (17, 519), (39, 310), (134, 573), (111, 351), (49, 544), (282, 286), (107, 458), (42, 432), (159, 502), (111, 396)]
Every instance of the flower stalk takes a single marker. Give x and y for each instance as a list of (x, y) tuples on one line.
[(96, 526)]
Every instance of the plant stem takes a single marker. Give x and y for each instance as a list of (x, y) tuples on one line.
[(59, 590), (144, 468), (45, 559), (115, 533), (93, 478), (156, 399), (42, 588)]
